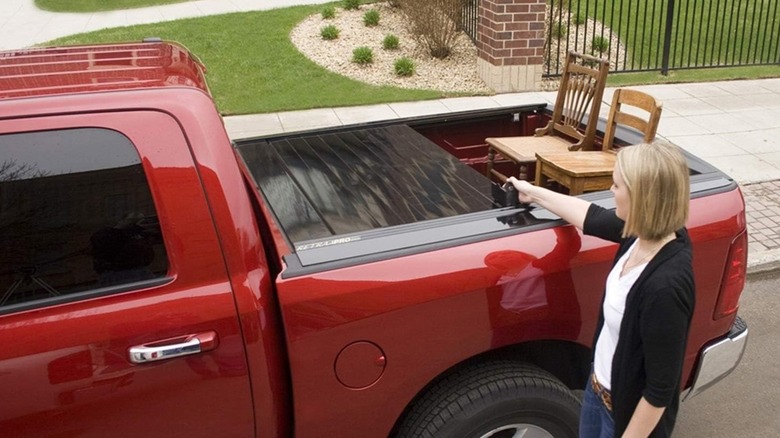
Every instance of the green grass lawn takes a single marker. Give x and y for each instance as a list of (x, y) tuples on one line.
[(98, 5), (252, 65)]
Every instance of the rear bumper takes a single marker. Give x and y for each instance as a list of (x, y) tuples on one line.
[(719, 358)]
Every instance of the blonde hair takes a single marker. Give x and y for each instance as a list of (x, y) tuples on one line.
[(656, 176)]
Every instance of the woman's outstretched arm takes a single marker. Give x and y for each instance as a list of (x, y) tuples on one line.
[(570, 208)]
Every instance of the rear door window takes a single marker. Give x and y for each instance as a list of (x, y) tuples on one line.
[(76, 217)]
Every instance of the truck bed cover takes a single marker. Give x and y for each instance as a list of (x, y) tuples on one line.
[(336, 183)]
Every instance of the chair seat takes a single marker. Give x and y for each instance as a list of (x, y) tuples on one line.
[(524, 149), (579, 171)]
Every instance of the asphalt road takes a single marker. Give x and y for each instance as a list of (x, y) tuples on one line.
[(747, 402)]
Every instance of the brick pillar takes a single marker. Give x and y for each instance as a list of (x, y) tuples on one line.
[(511, 44)]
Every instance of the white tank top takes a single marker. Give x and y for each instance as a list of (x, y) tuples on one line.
[(614, 305)]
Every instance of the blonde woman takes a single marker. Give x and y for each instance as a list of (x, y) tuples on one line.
[(649, 296)]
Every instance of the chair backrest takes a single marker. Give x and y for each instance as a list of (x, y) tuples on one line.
[(646, 124), (579, 97)]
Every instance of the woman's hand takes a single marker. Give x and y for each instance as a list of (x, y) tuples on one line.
[(570, 208), (523, 189)]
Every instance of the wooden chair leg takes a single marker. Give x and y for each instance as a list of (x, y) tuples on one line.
[(523, 172), (490, 161), (541, 178), (577, 186)]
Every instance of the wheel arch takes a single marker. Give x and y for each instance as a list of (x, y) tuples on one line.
[(569, 362)]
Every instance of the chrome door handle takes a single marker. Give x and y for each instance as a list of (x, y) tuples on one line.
[(173, 347)]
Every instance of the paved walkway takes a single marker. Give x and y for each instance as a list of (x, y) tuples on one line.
[(23, 25), (734, 125)]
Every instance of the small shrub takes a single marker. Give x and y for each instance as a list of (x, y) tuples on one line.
[(390, 42), (328, 13), (579, 19), (363, 55), (330, 32), (599, 44), (371, 17), (434, 24), (559, 30), (403, 67), (351, 4)]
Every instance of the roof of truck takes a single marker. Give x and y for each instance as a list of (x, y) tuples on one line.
[(80, 69)]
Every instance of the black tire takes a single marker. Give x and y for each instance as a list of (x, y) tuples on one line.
[(494, 399)]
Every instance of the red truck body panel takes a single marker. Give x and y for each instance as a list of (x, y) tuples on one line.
[(429, 311)]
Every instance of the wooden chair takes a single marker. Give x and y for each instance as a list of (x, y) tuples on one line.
[(584, 171), (576, 105)]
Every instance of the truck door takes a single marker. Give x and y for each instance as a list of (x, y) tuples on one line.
[(116, 314)]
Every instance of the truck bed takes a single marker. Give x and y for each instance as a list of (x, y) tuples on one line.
[(348, 195)]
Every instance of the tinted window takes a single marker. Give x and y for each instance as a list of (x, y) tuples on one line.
[(76, 215)]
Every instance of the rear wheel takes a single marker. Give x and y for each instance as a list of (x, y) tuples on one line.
[(500, 399)]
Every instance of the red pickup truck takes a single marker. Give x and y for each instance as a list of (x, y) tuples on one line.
[(157, 279)]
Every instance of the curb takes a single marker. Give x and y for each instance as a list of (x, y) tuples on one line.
[(762, 261)]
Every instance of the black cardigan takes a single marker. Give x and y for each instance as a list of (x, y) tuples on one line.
[(650, 351)]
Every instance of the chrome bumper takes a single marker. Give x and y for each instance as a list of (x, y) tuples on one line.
[(719, 359)]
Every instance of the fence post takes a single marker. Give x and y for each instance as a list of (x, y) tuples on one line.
[(510, 44), (667, 38)]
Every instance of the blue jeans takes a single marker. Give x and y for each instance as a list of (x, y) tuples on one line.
[(595, 420)]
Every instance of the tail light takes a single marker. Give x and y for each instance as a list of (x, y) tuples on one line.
[(733, 278)]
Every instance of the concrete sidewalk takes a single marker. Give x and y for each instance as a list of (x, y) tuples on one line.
[(734, 125), (23, 25)]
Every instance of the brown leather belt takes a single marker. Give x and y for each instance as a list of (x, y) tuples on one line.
[(602, 392)]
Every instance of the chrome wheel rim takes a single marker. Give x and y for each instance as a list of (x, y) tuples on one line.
[(518, 431)]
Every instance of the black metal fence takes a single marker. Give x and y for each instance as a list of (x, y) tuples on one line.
[(470, 18), (653, 35), (657, 35)]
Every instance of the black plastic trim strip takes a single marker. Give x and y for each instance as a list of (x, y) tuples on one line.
[(84, 295)]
